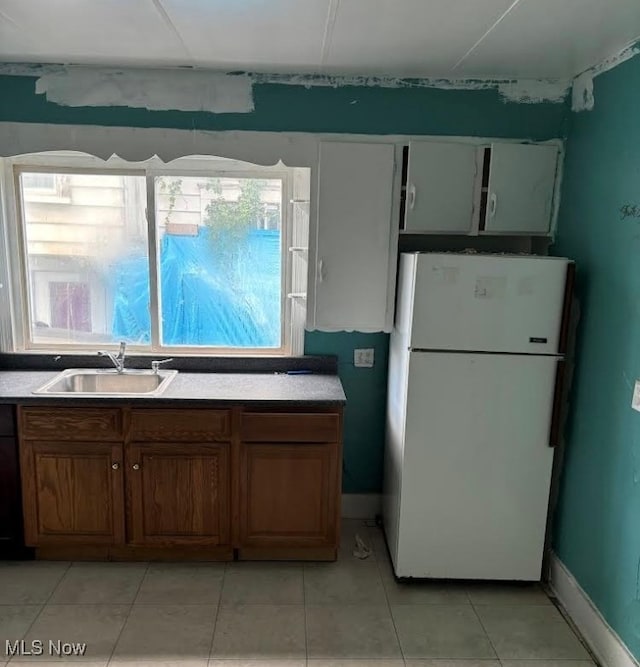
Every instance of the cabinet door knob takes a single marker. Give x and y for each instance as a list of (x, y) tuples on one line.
[(412, 196), (493, 204), (136, 466), (115, 466)]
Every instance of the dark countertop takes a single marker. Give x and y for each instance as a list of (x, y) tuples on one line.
[(186, 388)]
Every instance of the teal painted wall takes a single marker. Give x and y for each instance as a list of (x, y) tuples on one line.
[(346, 109), (283, 107), (364, 416), (597, 531)]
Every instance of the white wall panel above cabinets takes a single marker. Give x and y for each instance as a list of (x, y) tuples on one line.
[(353, 271)]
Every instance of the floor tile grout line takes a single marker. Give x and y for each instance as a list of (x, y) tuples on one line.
[(304, 611), (46, 602), (144, 576), (573, 627), (215, 619), (126, 620), (484, 629), (386, 596), (225, 573)]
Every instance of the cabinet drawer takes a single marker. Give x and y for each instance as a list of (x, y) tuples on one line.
[(99, 424), (180, 425), (290, 427)]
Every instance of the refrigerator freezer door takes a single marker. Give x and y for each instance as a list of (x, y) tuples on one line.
[(476, 466), (487, 303)]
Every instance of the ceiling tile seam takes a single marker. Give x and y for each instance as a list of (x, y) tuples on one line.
[(486, 34), (8, 19), (171, 25), (327, 37), (25, 34)]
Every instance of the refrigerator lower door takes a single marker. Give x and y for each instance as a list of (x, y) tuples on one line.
[(476, 466)]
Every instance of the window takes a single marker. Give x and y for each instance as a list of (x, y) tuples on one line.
[(189, 257), (40, 183)]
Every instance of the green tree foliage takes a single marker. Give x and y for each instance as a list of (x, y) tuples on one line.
[(230, 221), (173, 188)]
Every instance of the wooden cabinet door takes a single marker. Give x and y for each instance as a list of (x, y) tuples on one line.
[(72, 492), (353, 284), (521, 187), (289, 494), (178, 493), (441, 185)]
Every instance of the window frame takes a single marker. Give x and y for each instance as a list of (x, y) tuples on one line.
[(19, 338)]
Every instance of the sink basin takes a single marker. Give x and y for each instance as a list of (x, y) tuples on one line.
[(93, 382)]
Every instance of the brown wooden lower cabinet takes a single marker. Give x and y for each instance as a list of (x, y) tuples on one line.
[(72, 492), (288, 498), (211, 482), (178, 493)]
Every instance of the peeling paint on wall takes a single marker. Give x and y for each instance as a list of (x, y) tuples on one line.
[(625, 54), (202, 90), (526, 91), (582, 98), (183, 90), (534, 91), (582, 92)]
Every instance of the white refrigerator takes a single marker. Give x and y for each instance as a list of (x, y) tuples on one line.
[(475, 367)]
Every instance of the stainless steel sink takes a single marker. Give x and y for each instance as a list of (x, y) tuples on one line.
[(93, 382)]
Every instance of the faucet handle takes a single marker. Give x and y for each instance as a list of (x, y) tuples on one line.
[(155, 365)]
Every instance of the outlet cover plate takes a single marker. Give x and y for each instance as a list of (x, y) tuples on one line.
[(363, 357)]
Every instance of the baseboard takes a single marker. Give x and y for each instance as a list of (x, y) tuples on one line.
[(361, 505), (603, 641)]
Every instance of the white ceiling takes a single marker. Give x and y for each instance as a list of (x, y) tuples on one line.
[(415, 38)]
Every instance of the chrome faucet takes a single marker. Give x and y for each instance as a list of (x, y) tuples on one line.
[(116, 359), (155, 365)]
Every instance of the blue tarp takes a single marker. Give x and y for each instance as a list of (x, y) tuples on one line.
[(229, 298)]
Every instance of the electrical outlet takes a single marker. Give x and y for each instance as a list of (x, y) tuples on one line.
[(363, 357), (635, 401)]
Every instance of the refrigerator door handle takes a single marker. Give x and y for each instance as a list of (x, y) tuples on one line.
[(555, 428)]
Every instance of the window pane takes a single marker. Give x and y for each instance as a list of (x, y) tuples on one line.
[(220, 261), (87, 259)]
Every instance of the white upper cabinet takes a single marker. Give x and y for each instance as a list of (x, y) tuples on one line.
[(441, 182), (466, 188), (353, 276), (521, 187)]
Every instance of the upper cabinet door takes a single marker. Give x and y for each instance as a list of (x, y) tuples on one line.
[(441, 186), (355, 256), (521, 187)]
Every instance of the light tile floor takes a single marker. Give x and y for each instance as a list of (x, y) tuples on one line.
[(346, 614)]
